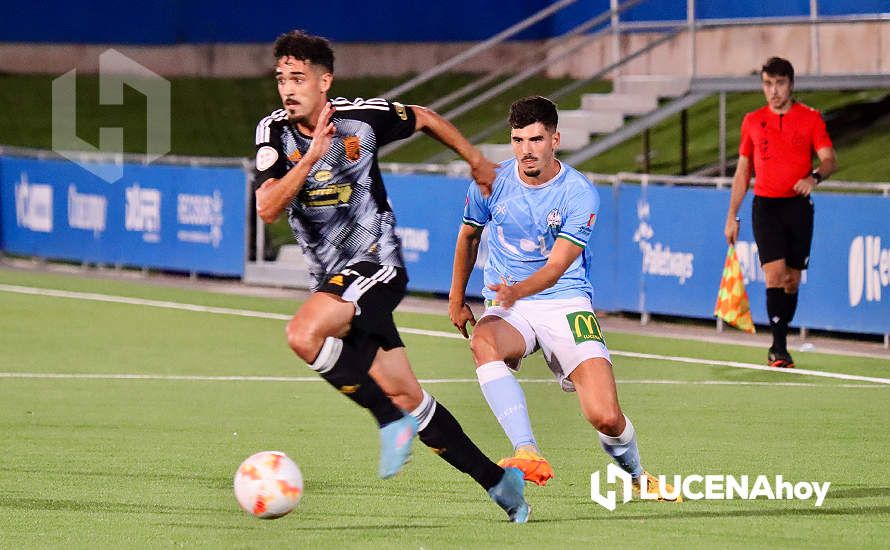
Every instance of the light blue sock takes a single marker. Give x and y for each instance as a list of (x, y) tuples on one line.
[(507, 402), (623, 449)]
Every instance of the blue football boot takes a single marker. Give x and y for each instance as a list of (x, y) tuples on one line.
[(508, 494), (395, 445)]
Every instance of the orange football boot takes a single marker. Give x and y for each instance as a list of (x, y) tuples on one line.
[(534, 466)]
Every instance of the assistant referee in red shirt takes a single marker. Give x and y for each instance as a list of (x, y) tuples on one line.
[(780, 139)]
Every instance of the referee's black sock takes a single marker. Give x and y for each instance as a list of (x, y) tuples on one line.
[(441, 432), (344, 364), (776, 309), (790, 306)]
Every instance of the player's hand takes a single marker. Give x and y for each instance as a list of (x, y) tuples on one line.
[(731, 229), (805, 186), (483, 173), (461, 314), (323, 133), (506, 294)]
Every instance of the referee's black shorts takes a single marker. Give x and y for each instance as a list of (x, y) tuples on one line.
[(375, 290), (783, 229)]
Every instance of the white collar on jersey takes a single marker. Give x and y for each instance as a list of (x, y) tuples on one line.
[(562, 169)]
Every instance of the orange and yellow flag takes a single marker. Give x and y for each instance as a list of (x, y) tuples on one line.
[(732, 299)]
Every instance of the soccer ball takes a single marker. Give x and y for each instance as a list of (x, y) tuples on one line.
[(268, 485)]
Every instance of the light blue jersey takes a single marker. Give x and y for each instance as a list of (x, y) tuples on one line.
[(524, 222)]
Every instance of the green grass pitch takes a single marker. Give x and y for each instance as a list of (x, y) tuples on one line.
[(109, 462)]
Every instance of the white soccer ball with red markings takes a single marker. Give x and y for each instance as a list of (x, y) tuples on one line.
[(268, 485)]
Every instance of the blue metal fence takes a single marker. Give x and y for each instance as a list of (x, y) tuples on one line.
[(167, 217)]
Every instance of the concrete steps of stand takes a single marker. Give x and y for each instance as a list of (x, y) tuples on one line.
[(626, 104), (634, 95), (288, 270), (496, 152), (667, 86)]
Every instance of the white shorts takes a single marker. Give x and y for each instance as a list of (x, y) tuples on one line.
[(565, 329)]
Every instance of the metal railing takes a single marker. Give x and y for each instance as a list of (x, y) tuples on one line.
[(462, 170), (533, 56), (556, 95), (616, 27), (524, 74), (130, 158), (882, 188), (478, 48)]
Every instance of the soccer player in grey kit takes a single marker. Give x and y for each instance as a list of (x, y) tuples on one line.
[(317, 159)]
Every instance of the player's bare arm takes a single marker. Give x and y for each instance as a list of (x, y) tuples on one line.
[(465, 252), (432, 124), (740, 182), (827, 166), (273, 196), (561, 257)]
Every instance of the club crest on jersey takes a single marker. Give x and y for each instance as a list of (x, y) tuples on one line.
[(352, 145), (266, 157), (322, 176), (554, 219)]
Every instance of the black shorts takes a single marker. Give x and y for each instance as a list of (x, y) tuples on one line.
[(783, 229), (375, 290)]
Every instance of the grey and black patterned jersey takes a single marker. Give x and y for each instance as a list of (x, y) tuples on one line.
[(341, 215)]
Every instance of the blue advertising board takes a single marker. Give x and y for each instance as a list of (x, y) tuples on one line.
[(847, 285), (167, 217), (660, 249), (429, 210), (604, 248), (671, 249), (657, 249)]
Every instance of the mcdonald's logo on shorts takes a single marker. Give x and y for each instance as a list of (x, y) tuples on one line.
[(585, 327)]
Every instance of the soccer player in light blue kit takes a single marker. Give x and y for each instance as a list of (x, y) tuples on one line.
[(539, 215)]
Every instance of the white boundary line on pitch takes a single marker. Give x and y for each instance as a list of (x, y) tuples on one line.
[(435, 333), (235, 378)]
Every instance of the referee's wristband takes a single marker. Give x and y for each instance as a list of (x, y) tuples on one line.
[(817, 177)]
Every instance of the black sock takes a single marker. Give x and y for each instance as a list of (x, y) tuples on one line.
[(350, 376), (790, 307), (776, 309), (447, 439)]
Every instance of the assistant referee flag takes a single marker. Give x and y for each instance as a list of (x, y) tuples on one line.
[(732, 299)]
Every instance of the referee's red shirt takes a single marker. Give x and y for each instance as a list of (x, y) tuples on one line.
[(782, 147)]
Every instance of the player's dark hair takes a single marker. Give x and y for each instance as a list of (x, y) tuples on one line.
[(776, 66), (529, 110), (305, 47)]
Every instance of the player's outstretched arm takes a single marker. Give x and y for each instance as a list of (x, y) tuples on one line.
[(273, 196), (561, 257), (740, 182), (465, 252), (432, 124)]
